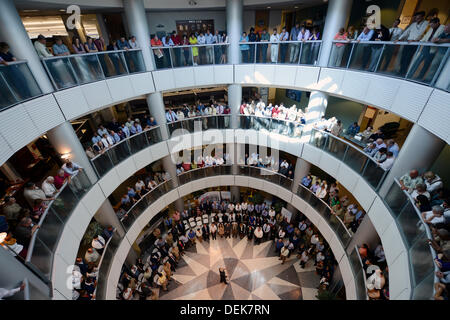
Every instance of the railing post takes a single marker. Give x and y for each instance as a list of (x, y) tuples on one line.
[(350, 56), (379, 58)]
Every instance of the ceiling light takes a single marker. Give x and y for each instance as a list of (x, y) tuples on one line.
[(269, 7)]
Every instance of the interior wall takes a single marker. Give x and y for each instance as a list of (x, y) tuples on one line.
[(168, 19), (389, 11), (441, 166), (345, 110), (280, 96)]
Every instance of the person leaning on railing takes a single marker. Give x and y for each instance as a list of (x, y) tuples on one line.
[(59, 48)]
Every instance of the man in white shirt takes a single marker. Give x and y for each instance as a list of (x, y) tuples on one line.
[(133, 43), (388, 163), (40, 47), (414, 32), (98, 243), (435, 216), (395, 32), (209, 39), (274, 39), (258, 235)]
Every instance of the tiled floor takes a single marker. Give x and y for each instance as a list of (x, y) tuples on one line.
[(254, 273)]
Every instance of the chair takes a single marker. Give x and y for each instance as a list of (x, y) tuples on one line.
[(199, 221), (192, 222), (205, 218)]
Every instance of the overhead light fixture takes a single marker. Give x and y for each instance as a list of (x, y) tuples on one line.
[(269, 7), (66, 156)]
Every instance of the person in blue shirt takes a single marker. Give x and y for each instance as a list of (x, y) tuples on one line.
[(115, 136), (393, 147), (125, 130), (278, 245), (123, 44), (59, 48), (96, 138), (132, 194), (191, 236), (244, 47), (306, 181), (353, 129), (152, 122), (171, 116)]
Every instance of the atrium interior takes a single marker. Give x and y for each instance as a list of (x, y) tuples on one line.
[(224, 150)]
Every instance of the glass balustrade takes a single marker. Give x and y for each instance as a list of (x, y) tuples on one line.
[(197, 124), (421, 63), (415, 234), (359, 274), (112, 156), (188, 56), (45, 239), (286, 52), (77, 69), (355, 158), (17, 84)]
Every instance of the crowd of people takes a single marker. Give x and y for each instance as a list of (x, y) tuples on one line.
[(376, 272), (349, 213), (201, 53), (114, 132), (421, 29), (432, 199), (86, 268), (21, 220), (199, 109), (144, 184), (383, 151), (224, 219), (279, 45)]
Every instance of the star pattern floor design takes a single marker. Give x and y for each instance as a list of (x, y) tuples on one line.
[(254, 273)]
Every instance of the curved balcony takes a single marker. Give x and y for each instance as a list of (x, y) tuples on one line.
[(77, 69), (415, 234), (17, 84), (419, 62), (41, 250), (122, 150), (186, 178)]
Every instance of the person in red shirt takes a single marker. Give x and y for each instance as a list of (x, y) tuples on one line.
[(159, 55), (275, 112), (176, 42), (60, 178)]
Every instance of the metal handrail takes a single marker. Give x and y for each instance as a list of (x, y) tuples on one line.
[(349, 144), (326, 204), (124, 140), (400, 43), (10, 63), (103, 254), (362, 268), (277, 42), (88, 54), (198, 117), (189, 46), (143, 196)]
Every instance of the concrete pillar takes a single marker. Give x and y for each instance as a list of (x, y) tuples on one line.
[(106, 216), (235, 193), (65, 141), (234, 102), (420, 151), (138, 27), (366, 233), (13, 32), (234, 9), (155, 104), (103, 29), (302, 168), (170, 167), (338, 13), (317, 105)]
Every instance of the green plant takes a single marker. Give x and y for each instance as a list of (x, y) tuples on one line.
[(92, 230), (257, 198)]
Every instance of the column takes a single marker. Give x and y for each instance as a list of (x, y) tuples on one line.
[(420, 151), (106, 216), (157, 110), (234, 102), (317, 106), (338, 13), (234, 10), (170, 167), (65, 141), (443, 81), (302, 168), (13, 32), (366, 233), (237, 150), (138, 27), (103, 29)]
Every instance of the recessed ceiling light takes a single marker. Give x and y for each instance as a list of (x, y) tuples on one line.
[(62, 10), (296, 7), (269, 7)]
